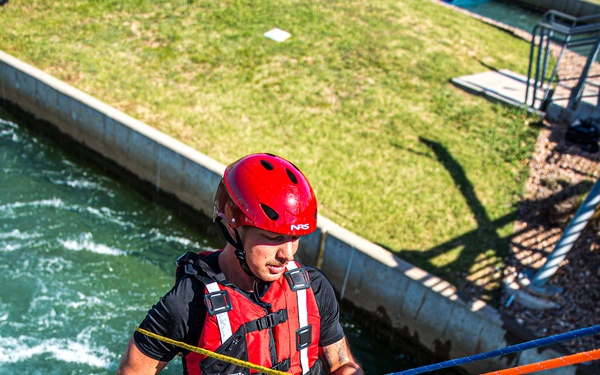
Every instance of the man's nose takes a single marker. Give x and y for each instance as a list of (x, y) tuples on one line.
[(287, 250)]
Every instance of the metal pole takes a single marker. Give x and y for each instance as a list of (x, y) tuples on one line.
[(529, 67), (572, 232), (577, 92)]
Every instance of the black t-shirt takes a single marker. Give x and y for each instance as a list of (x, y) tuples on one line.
[(180, 314)]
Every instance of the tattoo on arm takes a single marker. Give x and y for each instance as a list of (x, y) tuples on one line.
[(338, 360), (337, 355), (342, 352)]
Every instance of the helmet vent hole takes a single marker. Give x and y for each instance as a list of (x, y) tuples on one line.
[(268, 166), (291, 176), (271, 213)]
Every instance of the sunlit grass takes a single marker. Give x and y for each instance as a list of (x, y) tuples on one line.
[(359, 98)]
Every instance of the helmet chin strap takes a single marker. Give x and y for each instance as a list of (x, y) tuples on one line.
[(240, 253)]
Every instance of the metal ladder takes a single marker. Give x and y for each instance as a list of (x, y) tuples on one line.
[(557, 42)]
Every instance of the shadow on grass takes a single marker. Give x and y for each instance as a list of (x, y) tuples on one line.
[(478, 270)]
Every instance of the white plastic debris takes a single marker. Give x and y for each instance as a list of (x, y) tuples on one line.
[(277, 35)]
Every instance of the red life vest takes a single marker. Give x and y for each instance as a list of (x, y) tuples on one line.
[(281, 331)]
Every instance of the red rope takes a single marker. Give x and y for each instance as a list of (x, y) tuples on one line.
[(550, 364)]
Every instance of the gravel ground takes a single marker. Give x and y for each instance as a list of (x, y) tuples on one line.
[(561, 175)]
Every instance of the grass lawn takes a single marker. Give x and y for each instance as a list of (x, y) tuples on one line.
[(359, 98)]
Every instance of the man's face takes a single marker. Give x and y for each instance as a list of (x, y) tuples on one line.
[(267, 253)]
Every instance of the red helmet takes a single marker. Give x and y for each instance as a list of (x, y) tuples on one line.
[(267, 192)]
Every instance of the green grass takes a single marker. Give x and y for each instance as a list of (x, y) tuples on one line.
[(359, 98)]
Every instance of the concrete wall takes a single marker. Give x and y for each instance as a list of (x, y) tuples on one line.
[(575, 8), (407, 300), (147, 153)]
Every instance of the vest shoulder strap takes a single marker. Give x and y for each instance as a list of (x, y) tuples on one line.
[(192, 264)]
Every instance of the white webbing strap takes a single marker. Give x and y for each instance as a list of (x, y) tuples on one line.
[(222, 318), (302, 319)]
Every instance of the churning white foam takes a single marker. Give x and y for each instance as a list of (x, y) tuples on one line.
[(106, 213), (18, 349), (85, 242), (81, 183), (54, 202), (158, 235), (18, 235), (15, 240), (182, 240)]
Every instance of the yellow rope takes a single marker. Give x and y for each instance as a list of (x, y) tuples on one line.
[(208, 353)]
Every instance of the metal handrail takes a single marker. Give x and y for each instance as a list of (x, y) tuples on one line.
[(568, 32), (554, 17)]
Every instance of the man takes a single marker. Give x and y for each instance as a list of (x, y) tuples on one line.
[(250, 300)]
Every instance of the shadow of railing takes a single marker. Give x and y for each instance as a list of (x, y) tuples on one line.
[(483, 248)]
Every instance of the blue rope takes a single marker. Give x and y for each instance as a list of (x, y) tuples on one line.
[(508, 350)]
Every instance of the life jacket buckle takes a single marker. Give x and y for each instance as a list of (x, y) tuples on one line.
[(303, 337), (217, 302), (297, 279), (271, 320)]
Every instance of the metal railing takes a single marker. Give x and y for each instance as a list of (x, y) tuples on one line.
[(562, 55)]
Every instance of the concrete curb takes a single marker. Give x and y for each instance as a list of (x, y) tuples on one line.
[(404, 298)]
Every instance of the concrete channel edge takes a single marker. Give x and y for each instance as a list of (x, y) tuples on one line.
[(407, 300)]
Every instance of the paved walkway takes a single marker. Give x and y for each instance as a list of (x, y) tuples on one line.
[(503, 85), (510, 87)]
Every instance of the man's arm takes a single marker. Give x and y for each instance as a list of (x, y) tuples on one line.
[(134, 362), (338, 359)]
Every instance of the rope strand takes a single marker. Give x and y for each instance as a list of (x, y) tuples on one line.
[(569, 360), (208, 353), (508, 350)]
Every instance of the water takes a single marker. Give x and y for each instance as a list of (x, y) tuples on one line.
[(507, 13), (82, 258)]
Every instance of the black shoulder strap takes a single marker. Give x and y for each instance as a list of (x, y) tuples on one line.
[(191, 264)]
